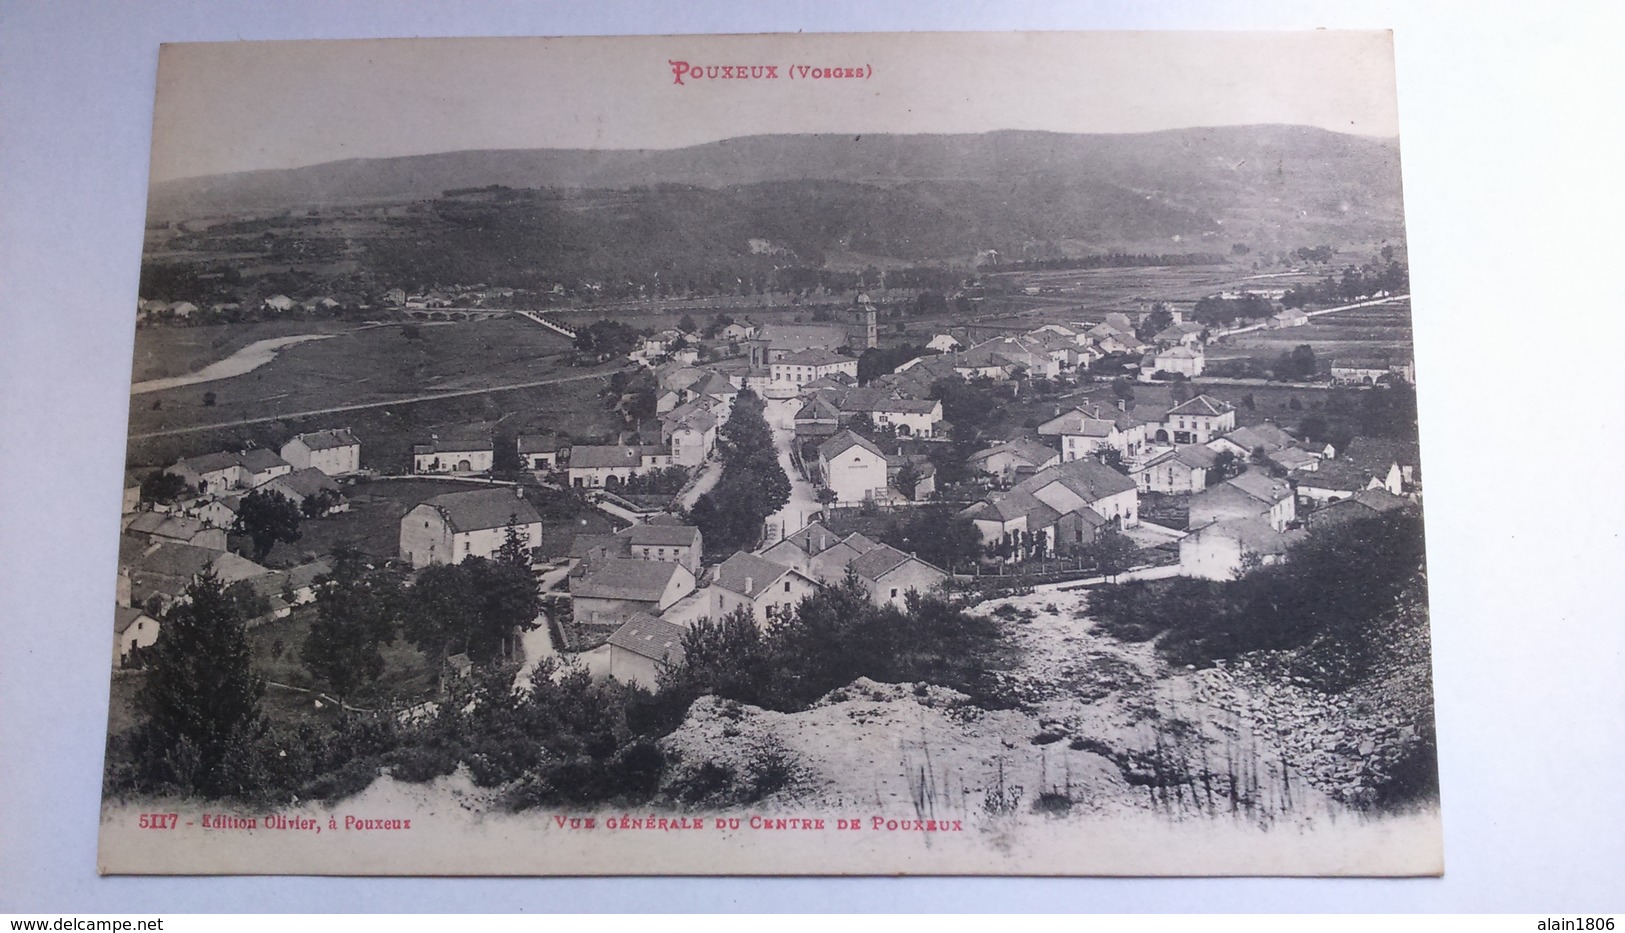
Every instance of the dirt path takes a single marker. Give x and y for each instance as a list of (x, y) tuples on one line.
[(430, 397), (803, 504), (246, 360)]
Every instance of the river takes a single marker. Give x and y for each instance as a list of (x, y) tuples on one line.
[(246, 360)]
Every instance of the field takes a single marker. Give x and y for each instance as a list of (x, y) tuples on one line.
[(367, 366), (408, 675), (161, 352), (1375, 333)]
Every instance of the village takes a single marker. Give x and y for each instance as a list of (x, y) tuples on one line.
[(1130, 474)]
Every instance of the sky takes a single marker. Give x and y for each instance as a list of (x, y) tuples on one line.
[(238, 106)]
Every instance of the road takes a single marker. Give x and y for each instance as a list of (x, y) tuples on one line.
[(803, 505), (1313, 314), (408, 400), (710, 472)]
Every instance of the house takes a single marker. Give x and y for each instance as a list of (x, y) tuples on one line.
[(538, 451), (818, 417), (776, 341), (161, 528), (1084, 431), (680, 543), (738, 331), (767, 590), (218, 512), (335, 452), (1244, 441), (1179, 360), (463, 453), (1333, 480), (211, 474), (133, 632), (909, 417), (1014, 458), (607, 467), (642, 647), (183, 309), (1253, 494), (719, 389), (1359, 372), (1181, 471), (260, 466), (1188, 334), (1289, 317), (925, 475), (1393, 462), (285, 591), (302, 485), (853, 468), (817, 551), (943, 343), (804, 366), (1294, 458), (1221, 549), (1069, 502), (889, 575), (1367, 503), (619, 588), (449, 527), (692, 438), (160, 573), (1196, 421)]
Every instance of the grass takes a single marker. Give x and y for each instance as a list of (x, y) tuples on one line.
[(371, 526), (408, 675), (374, 364), (165, 351)]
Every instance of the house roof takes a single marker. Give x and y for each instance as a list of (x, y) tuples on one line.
[(815, 538), (258, 460), (878, 561), (1339, 475), (1201, 405), (1024, 449), (626, 578), (1089, 478), (1377, 454), (480, 509), (176, 527), (815, 356), (306, 482), (583, 546), (662, 535), (538, 443), (716, 384), (1192, 455), (818, 408), (124, 617), (1009, 506), (456, 443), (210, 463), (649, 637), (1078, 422), (1262, 486), (1292, 458), (186, 561), (845, 441), (801, 336), (1180, 352), (747, 574), (327, 440), (1253, 534), (613, 455)]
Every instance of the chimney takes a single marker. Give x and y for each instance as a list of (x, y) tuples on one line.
[(1122, 404), (519, 492), (749, 585)]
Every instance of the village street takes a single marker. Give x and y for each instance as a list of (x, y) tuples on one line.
[(803, 504)]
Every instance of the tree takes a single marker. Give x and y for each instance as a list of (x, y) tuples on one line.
[(208, 399), (1224, 467), (471, 608), (163, 488), (1112, 457), (515, 547), (1123, 389), (202, 696), (319, 503), (1112, 552), (686, 324), (908, 479), (267, 517), (357, 612), (1159, 320)]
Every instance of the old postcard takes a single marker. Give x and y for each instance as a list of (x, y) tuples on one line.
[(813, 454)]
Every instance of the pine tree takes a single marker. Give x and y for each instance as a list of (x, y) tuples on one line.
[(202, 696)]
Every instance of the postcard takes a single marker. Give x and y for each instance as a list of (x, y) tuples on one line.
[(987, 454)]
